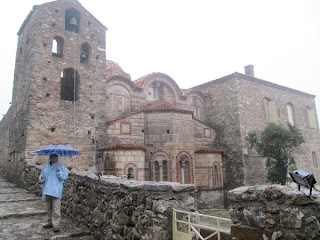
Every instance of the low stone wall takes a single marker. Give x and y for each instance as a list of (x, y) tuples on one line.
[(115, 208), (273, 212), (210, 198)]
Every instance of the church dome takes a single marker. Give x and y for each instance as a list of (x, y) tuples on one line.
[(114, 68)]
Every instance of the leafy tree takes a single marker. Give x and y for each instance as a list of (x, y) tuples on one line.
[(277, 143)]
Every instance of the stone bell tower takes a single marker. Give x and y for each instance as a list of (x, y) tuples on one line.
[(59, 83)]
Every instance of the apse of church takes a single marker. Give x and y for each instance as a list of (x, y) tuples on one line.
[(159, 140)]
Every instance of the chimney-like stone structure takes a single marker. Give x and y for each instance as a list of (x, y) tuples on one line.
[(249, 70)]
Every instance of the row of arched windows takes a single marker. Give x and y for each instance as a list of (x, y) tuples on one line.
[(70, 77), (160, 169), (272, 113), (72, 23)]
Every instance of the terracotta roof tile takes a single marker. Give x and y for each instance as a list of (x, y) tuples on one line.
[(162, 105), (123, 116), (141, 81), (112, 64)]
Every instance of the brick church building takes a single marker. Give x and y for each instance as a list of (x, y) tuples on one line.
[(66, 91)]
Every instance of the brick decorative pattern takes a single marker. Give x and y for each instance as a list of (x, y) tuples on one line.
[(182, 158), (164, 156)]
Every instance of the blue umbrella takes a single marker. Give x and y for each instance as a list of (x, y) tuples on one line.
[(62, 150)]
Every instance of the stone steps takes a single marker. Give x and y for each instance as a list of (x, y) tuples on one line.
[(22, 215)]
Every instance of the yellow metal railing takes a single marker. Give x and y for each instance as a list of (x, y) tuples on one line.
[(189, 224)]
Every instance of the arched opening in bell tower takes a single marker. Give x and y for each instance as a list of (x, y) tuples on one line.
[(69, 84)]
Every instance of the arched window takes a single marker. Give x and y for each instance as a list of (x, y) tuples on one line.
[(311, 118), (270, 110), (196, 105), (160, 167), (85, 53), (185, 170), (217, 176), (130, 174), (290, 113), (314, 159), (72, 20), (69, 84), (57, 46), (157, 90), (156, 171)]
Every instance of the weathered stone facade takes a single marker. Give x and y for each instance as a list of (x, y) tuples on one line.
[(236, 105), (66, 91), (273, 212)]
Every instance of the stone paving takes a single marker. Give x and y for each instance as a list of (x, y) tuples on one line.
[(22, 215)]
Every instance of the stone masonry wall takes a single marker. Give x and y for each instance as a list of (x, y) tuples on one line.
[(222, 113), (117, 163), (253, 117), (117, 208), (128, 130), (271, 212), (38, 80)]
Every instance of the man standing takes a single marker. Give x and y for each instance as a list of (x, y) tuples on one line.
[(52, 176)]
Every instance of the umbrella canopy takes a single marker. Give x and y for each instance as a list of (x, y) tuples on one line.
[(62, 150)]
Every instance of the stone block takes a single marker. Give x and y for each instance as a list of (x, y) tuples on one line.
[(291, 218)]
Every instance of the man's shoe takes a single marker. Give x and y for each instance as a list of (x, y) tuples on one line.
[(56, 229), (48, 225)]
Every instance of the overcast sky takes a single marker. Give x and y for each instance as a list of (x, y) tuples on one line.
[(195, 41)]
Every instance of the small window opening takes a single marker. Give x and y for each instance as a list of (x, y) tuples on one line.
[(157, 90), (57, 46), (44, 79), (89, 132), (92, 116), (290, 110), (89, 23), (52, 129), (168, 131), (93, 141), (47, 94), (142, 130)]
